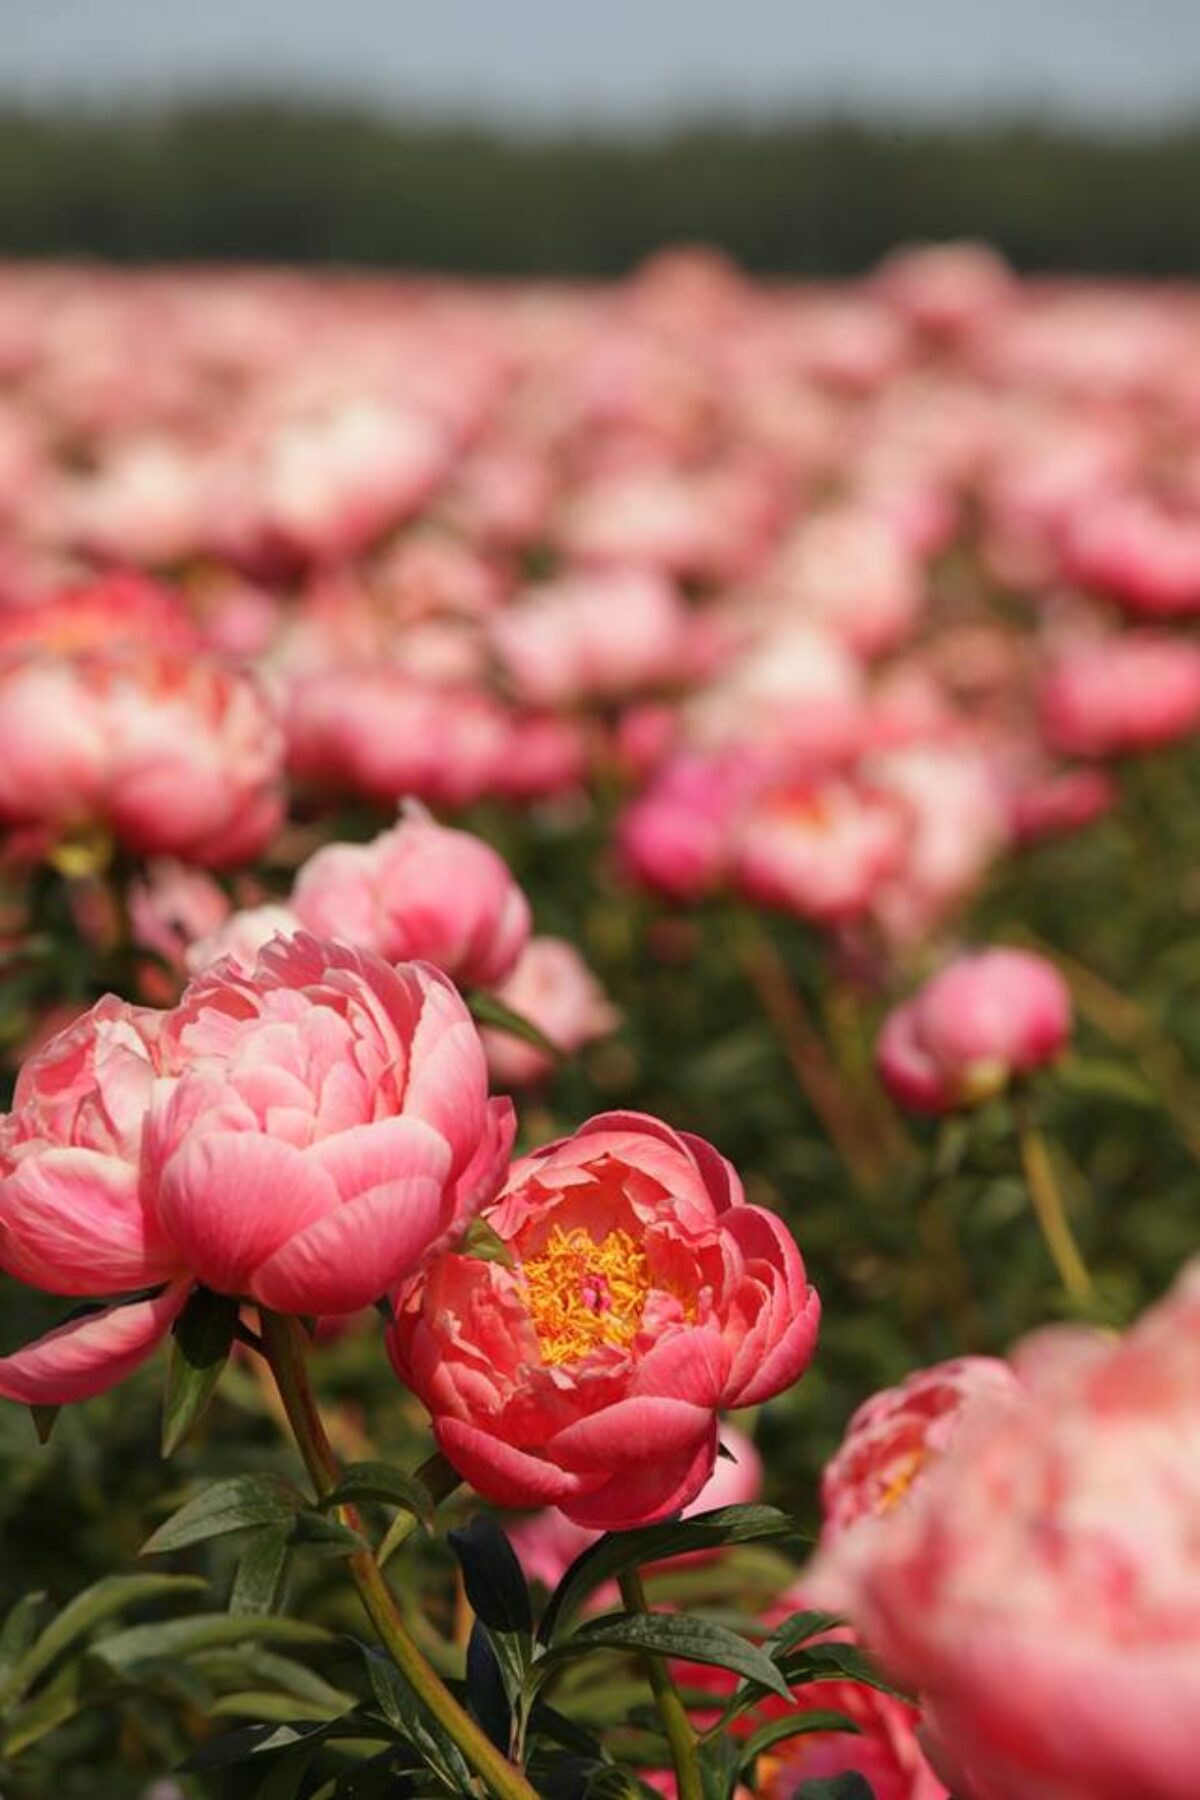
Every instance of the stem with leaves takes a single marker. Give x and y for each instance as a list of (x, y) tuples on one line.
[(284, 1348), (681, 1739)]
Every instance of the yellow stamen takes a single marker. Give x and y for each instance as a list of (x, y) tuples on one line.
[(900, 1480), (583, 1294)]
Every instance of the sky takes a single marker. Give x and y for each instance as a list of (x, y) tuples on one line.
[(620, 63)]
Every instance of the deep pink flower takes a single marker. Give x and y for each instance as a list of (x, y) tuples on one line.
[(418, 892), (962, 1037), (643, 1296)]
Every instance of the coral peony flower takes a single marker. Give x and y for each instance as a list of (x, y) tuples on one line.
[(175, 755), (418, 892), (962, 1037), (171, 907), (241, 936), (302, 1135), (554, 989), (1114, 695), (1041, 1591), (643, 1295)]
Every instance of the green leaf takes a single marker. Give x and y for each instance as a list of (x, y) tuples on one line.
[(327, 1536), (260, 1571), (44, 1420), (97, 1603), (838, 1787), (20, 1629), (1106, 1078), (399, 1707), (286, 1780), (834, 1661), (252, 1740), (379, 1481), (492, 1576), (777, 1731), (798, 1629), (483, 1242), (203, 1631), (669, 1634), (227, 1506), (487, 1010), (52, 1705), (201, 1340), (619, 1551)]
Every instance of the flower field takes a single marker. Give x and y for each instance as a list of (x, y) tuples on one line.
[(600, 1019)]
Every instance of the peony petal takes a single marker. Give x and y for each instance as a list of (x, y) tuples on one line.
[(71, 1222), (356, 1253), (502, 1473), (646, 1428), (92, 1354), (644, 1495), (374, 1155), (230, 1199)]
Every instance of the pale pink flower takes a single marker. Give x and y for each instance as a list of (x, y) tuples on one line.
[(552, 987)]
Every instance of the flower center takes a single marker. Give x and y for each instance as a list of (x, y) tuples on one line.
[(582, 1294), (900, 1478)]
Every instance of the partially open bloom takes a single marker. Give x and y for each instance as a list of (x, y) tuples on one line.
[(642, 1295), (419, 892), (302, 1135), (602, 636), (552, 987), (962, 1037), (1041, 1592), (329, 1126), (242, 935)]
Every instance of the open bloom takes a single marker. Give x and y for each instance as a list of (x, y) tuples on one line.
[(302, 1134), (962, 1037), (1117, 695), (1041, 1591), (419, 892), (818, 849), (642, 1295)]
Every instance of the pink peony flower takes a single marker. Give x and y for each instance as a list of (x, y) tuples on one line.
[(820, 849), (175, 755), (554, 989), (1110, 696), (643, 1295), (171, 907), (962, 1037), (1041, 1592), (302, 1135), (603, 636), (418, 892)]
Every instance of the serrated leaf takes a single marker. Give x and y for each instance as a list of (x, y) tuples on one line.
[(669, 1634), (201, 1340), (110, 1595), (778, 1731), (203, 1631), (619, 1551), (379, 1481), (487, 1010), (227, 1506), (492, 1576), (260, 1571)]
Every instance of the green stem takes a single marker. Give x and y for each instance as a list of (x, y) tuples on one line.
[(768, 975), (1048, 1205), (678, 1728), (284, 1346)]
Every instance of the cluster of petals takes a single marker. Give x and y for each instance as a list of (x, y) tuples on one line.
[(638, 1296)]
